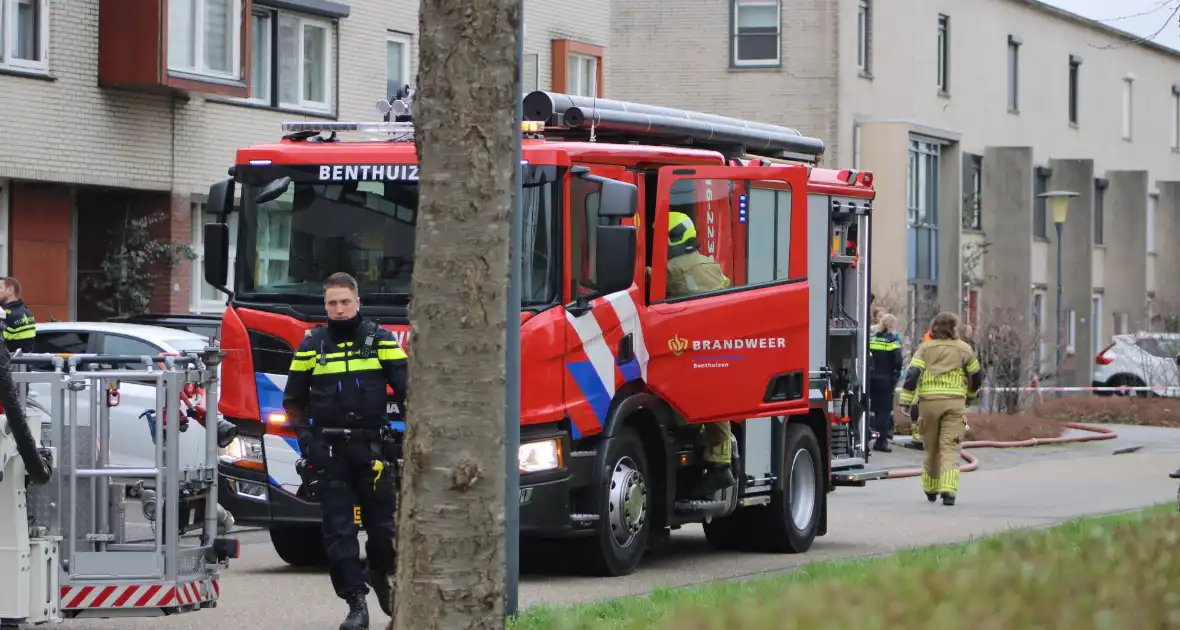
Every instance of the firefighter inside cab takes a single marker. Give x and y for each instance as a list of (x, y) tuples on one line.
[(691, 272)]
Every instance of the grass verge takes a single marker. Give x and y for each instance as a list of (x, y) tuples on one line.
[(996, 427), (1137, 410), (1115, 571)]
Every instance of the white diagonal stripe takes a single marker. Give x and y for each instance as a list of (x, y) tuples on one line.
[(624, 306), (590, 334)]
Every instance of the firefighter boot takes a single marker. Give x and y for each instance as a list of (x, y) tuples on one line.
[(882, 445), (948, 498), (358, 613), (717, 477), (382, 589)]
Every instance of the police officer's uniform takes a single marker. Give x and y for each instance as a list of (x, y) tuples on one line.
[(338, 379), (886, 362), (691, 272), (20, 328), (943, 374)]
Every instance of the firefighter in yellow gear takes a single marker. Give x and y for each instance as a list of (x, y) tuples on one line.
[(690, 272), (943, 376)]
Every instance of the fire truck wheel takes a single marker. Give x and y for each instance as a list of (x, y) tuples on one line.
[(299, 545), (789, 524), (625, 512)]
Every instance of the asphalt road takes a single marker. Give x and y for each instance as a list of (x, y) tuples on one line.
[(1025, 488)]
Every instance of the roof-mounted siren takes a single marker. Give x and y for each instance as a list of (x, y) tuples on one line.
[(577, 115), (399, 105)]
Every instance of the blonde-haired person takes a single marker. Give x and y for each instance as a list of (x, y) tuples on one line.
[(942, 376), (886, 359)]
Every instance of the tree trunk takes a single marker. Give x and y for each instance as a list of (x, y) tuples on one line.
[(450, 534)]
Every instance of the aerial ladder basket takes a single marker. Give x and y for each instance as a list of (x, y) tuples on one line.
[(65, 545)]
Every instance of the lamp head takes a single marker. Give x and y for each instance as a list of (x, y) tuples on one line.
[(1059, 203)]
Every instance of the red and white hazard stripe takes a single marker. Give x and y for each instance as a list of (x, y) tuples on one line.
[(139, 595)]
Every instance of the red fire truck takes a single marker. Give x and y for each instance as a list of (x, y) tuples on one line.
[(618, 378)]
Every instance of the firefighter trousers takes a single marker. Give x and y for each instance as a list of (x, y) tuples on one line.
[(349, 483), (943, 423), (881, 405)]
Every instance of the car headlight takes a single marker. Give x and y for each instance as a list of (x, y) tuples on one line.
[(241, 450), (539, 456)]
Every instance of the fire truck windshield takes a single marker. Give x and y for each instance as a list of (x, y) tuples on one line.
[(286, 246)]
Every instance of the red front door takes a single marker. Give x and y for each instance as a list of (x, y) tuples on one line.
[(741, 351)]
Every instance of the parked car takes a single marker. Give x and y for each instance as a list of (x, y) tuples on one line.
[(131, 431), (205, 325), (1142, 359)]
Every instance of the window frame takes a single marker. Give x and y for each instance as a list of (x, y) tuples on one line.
[(1176, 117), (1040, 214), (571, 80), (559, 68), (198, 27), (973, 200), (944, 54), (735, 60), (1096, 320), (273, 98), (779, 193), (923, 206), (1013, 63), (1039, 306), (1153, 201), (1099, 228), (8, 37), (407, 43), (1075, 72), (864, 37), (1128, 109), (197, 303)]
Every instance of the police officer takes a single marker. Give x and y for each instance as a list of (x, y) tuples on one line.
[(338, 380), (943, 375), (20, 328), (690, 272), (885, 355)]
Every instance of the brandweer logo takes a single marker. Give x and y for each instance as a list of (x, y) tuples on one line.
[(677, 345)]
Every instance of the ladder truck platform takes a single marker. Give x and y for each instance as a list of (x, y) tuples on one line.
[(65, 551)]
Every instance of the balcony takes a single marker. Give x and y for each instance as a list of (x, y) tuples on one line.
[(200, 46)]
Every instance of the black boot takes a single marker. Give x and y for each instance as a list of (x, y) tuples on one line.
[(932, 496), (382, 589), (358, 613), (717, 478), (948, 499), (882, 445)]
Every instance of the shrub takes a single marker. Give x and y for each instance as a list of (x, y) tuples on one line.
[(996, 427), (1152, 412)]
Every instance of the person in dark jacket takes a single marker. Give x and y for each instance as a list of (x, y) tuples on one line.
[(885, 350), (20, 328)]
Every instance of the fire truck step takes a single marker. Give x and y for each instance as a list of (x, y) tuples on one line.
[(99, 599), (699, 508)]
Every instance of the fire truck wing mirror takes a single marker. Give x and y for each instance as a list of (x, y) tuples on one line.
[(221, 197), (216, 263), (273, 190), (614, 258), (617, 199)]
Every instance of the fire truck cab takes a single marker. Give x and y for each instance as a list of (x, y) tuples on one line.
[(618, 376)]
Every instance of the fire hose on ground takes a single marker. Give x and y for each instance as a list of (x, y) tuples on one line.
[(1097, 433)]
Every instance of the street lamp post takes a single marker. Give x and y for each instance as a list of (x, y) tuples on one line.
[(1058, 201)]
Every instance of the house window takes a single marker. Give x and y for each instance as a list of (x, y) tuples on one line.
[(205, 37), (582, 75), (1176, 117), (1038, 314), (1013, 74), (1099, 211), (1153, 202), (292, 61), (532, 79), (1096, 322), (1071, 332), (1128, 106), (973, 309), (1075, 67), (206, 298), (1040, 186), (922, 219), (864, 36), (756, 33), (944, 53), (397, 63), (24, 35), (973, 192), (577, 68)]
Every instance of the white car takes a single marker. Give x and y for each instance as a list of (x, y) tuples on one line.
[(1142, 359), (131, 436)]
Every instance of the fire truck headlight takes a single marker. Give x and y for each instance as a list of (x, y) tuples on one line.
[(243, 451), (540, 456)]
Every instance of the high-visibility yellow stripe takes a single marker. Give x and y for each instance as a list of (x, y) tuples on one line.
[(918, 363), (388, 344), (305, 353), (302, 365), (351, 365), (881, 344), (19, 336), (22, 328), (395, 354), (972, 367)]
